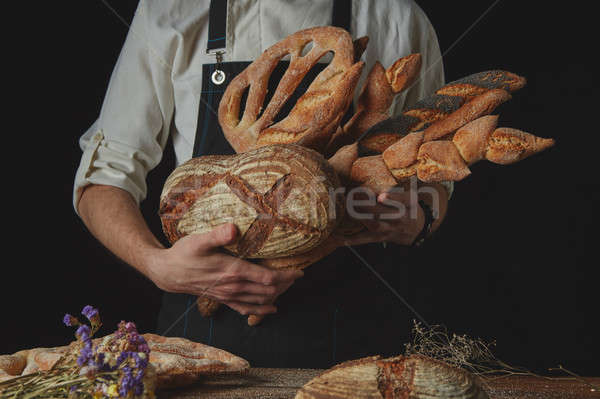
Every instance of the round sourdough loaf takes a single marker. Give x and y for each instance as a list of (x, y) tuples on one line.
[(281, 198)]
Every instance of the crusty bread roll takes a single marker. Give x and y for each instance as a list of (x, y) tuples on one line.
[(414, 377), (472, 139), (177, 361)]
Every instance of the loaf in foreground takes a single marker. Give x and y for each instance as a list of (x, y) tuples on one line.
[(177, 361), (414, 377)]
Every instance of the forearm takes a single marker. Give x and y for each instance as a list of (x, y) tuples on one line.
[(113, 217)]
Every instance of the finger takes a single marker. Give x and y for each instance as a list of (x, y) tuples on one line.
[(245, 288), (366, 237), (395, 198), (371, 225), (247, 308), (385, 223), (259, 274), (388, 209), (251, 299), (224, 234)]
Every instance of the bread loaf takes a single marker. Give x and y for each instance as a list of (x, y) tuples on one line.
[(440, 160), (401, 377), (375, 99), (278, 196), (449, 108), (316, 115), (178, 361), (274, 193)]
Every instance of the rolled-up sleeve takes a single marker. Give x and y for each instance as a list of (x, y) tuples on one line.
[(128, 138)]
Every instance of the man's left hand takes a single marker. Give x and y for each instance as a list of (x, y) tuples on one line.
[(392, 217)]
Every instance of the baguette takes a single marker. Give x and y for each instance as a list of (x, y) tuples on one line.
[(442, 113), (375, 99), (442, 160)]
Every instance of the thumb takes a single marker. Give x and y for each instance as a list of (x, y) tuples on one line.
[(224, 234)]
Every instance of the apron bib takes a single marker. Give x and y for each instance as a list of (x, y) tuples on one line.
[(338, 310)]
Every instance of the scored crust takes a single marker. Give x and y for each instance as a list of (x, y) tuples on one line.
[(405, 377), (480, 105), (179, 361), (277, 196), (508, 145), (471, 140), (404, 152), (440, 160), (372, 173)]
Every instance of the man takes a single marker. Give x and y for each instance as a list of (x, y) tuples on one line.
[(163, 84)]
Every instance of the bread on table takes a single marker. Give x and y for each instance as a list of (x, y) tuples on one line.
[(178, 361)]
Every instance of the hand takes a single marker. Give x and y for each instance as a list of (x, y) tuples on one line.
[(390, 217), (194, 265)]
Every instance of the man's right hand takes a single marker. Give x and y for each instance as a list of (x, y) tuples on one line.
[(195, 265)]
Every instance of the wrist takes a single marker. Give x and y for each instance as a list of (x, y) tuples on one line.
[(436, 196), (151, 259), (428, 220)]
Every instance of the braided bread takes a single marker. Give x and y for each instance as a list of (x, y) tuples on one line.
[(433, 161)]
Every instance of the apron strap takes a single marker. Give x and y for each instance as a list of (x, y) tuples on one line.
[(217, 25), (342, 14)]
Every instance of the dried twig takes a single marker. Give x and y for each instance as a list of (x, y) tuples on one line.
[(473, 354)]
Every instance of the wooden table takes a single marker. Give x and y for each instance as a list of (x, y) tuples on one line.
[(284, 383)]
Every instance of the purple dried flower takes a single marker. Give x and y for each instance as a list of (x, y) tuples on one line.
[(126, 383), (122, 357), (100, 359), (140, 363), (85, 354), (70, 320), (83, 332), (89, 312), (130, 327)]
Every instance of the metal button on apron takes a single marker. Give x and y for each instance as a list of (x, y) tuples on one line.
[(218, 77)]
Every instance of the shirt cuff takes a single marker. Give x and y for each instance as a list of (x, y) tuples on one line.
[(111, 163)]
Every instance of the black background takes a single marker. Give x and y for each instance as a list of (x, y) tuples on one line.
[(515, 261)]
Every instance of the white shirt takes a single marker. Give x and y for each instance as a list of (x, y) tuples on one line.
[(155, 87)]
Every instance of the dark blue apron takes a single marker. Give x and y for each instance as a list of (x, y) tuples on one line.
[(339, 310)]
